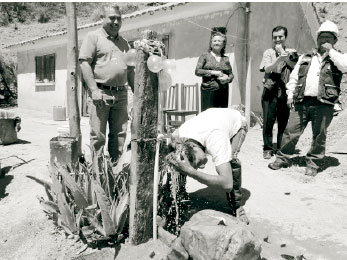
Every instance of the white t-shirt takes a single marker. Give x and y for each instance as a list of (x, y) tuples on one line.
[(213, 128)]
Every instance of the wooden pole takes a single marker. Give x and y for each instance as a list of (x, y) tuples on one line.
[(248, 91), (144, 126), (72, 80), (155, 189)]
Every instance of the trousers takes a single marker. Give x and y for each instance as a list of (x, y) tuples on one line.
[(273, 108), (214, 98), (320, 115), (235, 196), (113, 111)]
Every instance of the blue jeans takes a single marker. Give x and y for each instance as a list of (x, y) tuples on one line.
[(114, 112), (320, 115)]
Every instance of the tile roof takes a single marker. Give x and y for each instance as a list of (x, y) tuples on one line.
[(150, 11)]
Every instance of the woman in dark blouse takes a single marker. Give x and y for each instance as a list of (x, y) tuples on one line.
[(215, 69)]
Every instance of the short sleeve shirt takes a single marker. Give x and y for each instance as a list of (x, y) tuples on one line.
[(213, 128), (106, 55)]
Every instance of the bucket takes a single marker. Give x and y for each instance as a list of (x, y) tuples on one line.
[(59, 113)]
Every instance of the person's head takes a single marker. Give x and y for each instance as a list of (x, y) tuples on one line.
[(279, 35), (218, 43), (112, 19), (327, 33), (195, 153)]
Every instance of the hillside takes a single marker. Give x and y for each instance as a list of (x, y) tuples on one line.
[(35, 25)]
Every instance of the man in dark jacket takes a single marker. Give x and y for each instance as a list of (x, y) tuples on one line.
[(277, 63)]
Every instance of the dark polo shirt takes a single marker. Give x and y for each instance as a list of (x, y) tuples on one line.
[(106, 56)]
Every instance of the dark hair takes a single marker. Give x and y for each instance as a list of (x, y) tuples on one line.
[(189, 151), (279, 28), (222, 51)]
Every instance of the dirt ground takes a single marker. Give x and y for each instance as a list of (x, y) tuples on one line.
[(291, 214)]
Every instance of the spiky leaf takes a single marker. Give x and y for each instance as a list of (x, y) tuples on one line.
[(49, 206), (66, 213), (121, 211), (77, 192), (105, 207), (42, 182), (95, 223)]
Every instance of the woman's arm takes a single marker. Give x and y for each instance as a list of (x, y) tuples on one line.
[(200, 71)]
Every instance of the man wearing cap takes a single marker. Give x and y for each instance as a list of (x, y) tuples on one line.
[(313, 89), (220, 133), (106, 76), (277, 63)]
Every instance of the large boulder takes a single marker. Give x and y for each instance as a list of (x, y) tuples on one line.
[(215, 235)]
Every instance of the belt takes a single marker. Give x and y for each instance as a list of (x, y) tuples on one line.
[(116, 88)]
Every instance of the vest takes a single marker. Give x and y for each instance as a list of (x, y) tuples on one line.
[(329, 81)]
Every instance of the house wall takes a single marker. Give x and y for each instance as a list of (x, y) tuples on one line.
[(28, 96), (188, 27), (299, 37)]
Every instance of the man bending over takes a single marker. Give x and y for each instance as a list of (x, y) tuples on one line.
[(220, 133)]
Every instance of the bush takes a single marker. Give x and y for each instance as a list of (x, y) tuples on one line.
[(43, 17)]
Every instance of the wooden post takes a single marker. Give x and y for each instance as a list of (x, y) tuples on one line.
[(155, 189), (248, 92), (144, 126), (72, 83)]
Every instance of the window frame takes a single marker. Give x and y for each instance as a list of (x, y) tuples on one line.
[(45, 69)]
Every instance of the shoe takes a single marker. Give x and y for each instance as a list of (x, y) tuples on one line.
[(267, 155), (276, 165), (311, 171), (241, 215)]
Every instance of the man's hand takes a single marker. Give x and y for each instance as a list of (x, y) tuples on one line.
[(181, 163), (97, 97), (279, 49), (290, 103), (327, 46)]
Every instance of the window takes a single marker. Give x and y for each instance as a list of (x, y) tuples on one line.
[(165, 40), (45, 68)]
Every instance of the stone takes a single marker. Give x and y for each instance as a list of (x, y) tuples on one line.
[(9, 126), (211, 234), (165, 236), (64, 151), (178, 252)]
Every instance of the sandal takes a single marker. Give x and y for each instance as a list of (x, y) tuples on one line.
[(241, 215)]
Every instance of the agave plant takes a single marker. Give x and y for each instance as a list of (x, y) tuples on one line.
[(92, 206)]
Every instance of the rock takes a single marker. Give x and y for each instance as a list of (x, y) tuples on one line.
[(9, 126), (204, 237), (166, 237), (177, 252)]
